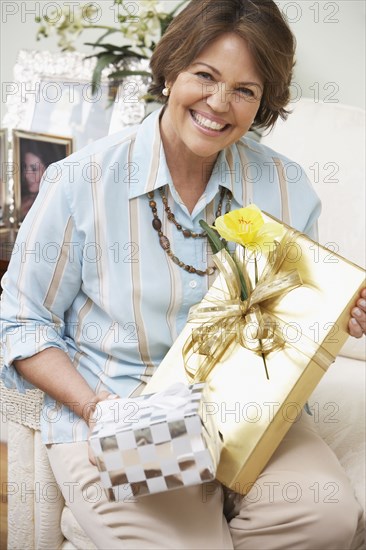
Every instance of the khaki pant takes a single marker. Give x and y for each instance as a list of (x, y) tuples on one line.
[(301, 501)]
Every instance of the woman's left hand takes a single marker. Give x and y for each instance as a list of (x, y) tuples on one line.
[(357, 323)]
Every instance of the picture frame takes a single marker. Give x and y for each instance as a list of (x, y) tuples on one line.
[(3, 174), (32, 154), (51, 94)]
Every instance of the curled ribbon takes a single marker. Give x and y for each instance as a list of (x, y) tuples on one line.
[(224, 319)]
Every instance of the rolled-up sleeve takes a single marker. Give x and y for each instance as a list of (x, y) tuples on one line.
[(43, 278)]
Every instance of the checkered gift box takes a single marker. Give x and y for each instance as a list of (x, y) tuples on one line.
[(153, 443)]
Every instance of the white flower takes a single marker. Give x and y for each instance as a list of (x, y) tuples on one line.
[(139, 31)]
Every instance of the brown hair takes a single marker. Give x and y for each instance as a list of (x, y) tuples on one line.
[(258, 22)]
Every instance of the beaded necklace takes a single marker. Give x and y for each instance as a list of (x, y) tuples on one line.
[(163, 239)]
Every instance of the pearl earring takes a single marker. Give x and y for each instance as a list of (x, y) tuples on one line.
[(166, 91)]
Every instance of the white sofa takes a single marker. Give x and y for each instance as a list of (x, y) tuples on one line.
[(328, 140)]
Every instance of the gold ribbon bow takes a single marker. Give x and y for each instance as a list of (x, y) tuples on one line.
[(224, 319)]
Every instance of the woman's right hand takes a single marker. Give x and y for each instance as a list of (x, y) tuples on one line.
[(91, 420)]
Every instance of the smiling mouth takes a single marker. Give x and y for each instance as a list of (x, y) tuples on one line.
[(207, 123)]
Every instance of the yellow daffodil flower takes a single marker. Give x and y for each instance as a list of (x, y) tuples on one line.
[(246, 226)]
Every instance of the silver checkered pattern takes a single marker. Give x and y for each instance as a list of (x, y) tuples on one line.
[(160, 451)]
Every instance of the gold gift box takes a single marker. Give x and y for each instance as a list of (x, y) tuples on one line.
[(253, 412)]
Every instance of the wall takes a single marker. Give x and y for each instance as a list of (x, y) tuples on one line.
[(330, 49)]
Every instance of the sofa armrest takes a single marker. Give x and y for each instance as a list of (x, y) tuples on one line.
[(20, 485), (34, 501)]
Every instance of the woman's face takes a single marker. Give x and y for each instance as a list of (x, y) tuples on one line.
[(214, 101), (33, 171)]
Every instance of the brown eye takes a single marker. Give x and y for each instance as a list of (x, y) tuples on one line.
[(205, 76), (246, 92)]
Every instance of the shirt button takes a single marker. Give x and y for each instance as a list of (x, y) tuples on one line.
[(193, 284)]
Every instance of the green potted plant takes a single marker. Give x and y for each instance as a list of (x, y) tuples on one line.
[(138, 30)]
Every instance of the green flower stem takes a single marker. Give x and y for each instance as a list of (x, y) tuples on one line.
[(218, 244), (260, 341), (104, 27), (264, 361), (244, 290), (213, 237)]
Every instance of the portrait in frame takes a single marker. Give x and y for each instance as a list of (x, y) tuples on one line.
[(32, 154), (3, 174)]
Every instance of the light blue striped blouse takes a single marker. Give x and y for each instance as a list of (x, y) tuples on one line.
[(88, 275)]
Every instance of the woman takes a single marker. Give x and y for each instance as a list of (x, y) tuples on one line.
[(36, 157), (104, 313)]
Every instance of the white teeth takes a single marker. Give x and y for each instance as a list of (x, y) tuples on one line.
[(207, 123)]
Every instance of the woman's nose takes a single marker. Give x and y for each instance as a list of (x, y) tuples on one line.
[(218, 97)]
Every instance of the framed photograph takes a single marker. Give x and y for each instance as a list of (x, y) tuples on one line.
[(52, 94), (32, 154), (3, 174)]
